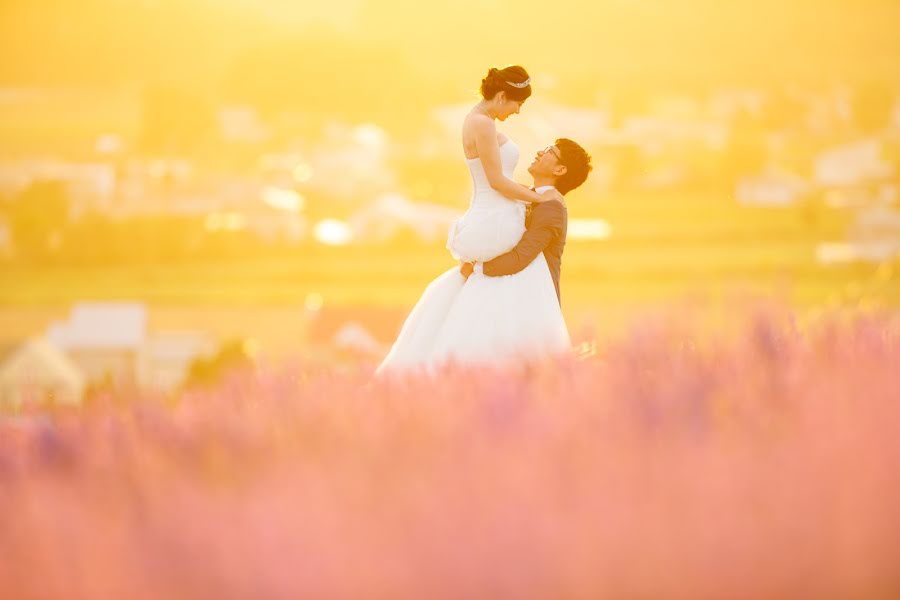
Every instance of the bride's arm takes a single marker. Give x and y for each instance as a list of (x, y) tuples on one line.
[(547, 222), (485, 136)]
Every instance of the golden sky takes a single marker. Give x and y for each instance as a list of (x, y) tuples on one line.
[(692, 41)]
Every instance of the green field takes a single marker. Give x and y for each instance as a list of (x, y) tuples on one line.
[(660, 248), (590, 275), (662, 253)]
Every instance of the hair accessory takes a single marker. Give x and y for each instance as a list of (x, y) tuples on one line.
[(524, 84)]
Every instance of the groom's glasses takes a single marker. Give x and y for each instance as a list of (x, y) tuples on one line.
[(552, 149)]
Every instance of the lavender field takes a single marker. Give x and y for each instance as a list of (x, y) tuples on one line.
[(761, 463)]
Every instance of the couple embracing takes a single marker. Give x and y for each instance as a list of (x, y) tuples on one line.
[(502, 304)]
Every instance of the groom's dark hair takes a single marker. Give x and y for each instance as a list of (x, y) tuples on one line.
[(577, 162)]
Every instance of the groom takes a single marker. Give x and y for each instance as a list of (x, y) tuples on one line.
[(563, 165)]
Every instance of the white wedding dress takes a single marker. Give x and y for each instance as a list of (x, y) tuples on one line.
[(485, 320)]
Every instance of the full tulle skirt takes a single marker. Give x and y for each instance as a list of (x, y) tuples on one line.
[(492, 321), (418, 335)]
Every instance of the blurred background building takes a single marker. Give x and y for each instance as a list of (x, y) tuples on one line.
[(285, 173)]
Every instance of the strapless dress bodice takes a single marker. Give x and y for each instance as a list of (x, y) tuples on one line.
[(493, 224)]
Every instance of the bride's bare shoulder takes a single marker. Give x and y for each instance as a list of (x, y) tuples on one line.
[(479, 121)]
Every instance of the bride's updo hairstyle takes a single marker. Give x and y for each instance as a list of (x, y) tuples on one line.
[(499, 80)]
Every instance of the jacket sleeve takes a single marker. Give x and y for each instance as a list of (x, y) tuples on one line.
[(546, 225)]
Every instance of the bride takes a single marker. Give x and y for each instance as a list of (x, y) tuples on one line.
[(486, 320)]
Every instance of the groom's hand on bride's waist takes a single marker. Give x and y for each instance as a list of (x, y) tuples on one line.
[(466, 269)]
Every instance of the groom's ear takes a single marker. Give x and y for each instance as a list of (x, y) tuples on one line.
[(560, 170)]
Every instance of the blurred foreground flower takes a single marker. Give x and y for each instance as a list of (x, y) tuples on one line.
[(762, 465)]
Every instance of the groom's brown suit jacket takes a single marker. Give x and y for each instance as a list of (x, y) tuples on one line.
[(545, 232)]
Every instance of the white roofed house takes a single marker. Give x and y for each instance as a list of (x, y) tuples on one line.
[(852, 164), (104, 339), (110, 343), (772, 188), (37, 371), (852, 175), (873, 237)]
